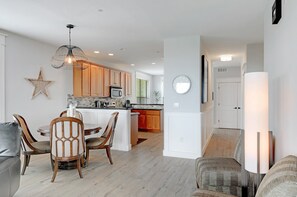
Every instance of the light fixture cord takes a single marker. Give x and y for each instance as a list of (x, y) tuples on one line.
[(69, 37)]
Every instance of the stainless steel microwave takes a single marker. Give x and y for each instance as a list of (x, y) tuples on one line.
[(116, 92)]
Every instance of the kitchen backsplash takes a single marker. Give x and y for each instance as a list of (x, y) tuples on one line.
[(90, 101)]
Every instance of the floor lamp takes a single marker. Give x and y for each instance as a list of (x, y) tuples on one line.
[(256, 132)]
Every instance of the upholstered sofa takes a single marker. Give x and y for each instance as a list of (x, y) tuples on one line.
[(280, 181), (222, 174), (10, 163)]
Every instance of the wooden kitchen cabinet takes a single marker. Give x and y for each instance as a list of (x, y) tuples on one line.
[(91, 79), (128, 84), (149, 120), (81, 80), (97, 81), (115, 78), (106, 78), (153, 122), (123, 82), (86, 80)]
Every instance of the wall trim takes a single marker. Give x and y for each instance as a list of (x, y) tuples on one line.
[(182, 135)]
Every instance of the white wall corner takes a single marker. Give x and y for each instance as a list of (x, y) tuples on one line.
[(182, 135), (2, 78)]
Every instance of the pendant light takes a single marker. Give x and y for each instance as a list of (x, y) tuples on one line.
[(68, 55)]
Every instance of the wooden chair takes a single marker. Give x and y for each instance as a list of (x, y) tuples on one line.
[(78, 114), (30, 146), (105, 141), (67, 142)]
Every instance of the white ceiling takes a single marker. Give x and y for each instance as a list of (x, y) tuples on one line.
[(134, 30)]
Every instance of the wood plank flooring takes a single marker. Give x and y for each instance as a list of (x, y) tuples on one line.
[(222, 143), (142, 172)]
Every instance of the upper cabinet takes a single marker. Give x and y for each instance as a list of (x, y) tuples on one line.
[(81, 80), (106, 83), (115, 78), (95, 80), (128, 84)]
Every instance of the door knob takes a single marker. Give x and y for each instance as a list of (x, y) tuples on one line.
[(235, 108)]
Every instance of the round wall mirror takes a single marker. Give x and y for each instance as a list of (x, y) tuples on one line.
[(181, 84)]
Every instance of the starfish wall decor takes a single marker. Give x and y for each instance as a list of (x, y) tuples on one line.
[(40, 85)]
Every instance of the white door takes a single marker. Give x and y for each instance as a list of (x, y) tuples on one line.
[(229, 105)]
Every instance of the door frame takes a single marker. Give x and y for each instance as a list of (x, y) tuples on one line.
[(216, 98)]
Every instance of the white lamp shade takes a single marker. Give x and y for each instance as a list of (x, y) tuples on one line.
[(256, 120)]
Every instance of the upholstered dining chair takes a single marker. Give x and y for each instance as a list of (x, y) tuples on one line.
[(30, 146), (78, 114), (67, 142), (105, 141)]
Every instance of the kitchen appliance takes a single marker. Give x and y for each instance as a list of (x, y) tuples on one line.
[(127, 104), (116, 92)]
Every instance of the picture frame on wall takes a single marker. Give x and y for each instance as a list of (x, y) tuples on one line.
[(204, 79), (276, 11)]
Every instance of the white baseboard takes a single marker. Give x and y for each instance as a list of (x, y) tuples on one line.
[(121, 147), (180, 154)]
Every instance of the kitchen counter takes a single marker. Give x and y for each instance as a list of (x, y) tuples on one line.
[(122, 134), (148, 106), (107, 108)]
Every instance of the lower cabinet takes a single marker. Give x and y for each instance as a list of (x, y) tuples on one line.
[(149, 120)]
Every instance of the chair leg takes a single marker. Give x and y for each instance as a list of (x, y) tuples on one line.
[(83, 161), (79, 168), (28, 160), (25, 162), (107, 148), (55, 170), (87, 156), (52, 162)]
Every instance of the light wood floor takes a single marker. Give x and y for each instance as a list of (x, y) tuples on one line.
[(222, 143), (141, 172)]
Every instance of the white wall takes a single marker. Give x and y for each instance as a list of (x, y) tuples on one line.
[(255, 57), (2, 77), (280, 48), (24, 58), (182, 128)]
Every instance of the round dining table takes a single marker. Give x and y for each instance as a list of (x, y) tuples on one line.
[(89, 129)]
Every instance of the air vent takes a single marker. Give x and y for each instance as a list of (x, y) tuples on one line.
[(222, 70)]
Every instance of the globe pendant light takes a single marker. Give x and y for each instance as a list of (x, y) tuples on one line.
[(68, 55)]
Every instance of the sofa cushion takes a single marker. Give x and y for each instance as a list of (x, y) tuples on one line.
[(9, 139), (281, 179), (219, 174)]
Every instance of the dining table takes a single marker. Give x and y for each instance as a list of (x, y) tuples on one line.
[(89, 129)]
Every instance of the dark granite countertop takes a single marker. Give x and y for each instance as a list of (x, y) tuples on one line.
[(115, 108)]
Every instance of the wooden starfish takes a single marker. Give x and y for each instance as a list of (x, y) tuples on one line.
[(40, 85)]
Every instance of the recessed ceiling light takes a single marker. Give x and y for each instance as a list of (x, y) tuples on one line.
[(96, 51), (110, 54), (153, 63), (132, 64), (226, 58)]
